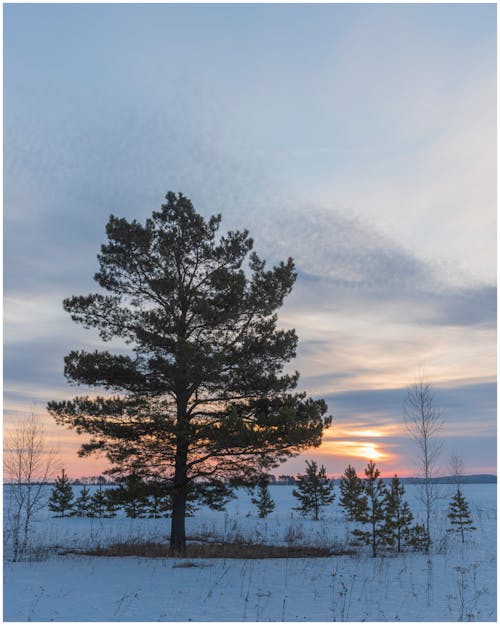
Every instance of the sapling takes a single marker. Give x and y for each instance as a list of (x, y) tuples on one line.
[(424, 421), (398, 516), (371, 510), (82, 503), (132, 496), (102, 504), (351, 492), (417, 538), (315, 490), (159, 503), (262, 498), (459, 515), (97, 506), (61, 497)]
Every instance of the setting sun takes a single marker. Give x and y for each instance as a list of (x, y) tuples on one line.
[(355, 449), (370, 451)]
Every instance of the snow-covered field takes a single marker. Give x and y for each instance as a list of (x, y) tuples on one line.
[(457, 582)]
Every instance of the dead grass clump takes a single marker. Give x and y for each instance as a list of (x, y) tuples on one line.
[(138, 549), (188, 564), (210, 550)]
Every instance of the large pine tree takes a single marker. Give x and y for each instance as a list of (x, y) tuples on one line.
[(201, 393)]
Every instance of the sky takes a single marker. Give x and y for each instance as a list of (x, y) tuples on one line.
[(358, 139)]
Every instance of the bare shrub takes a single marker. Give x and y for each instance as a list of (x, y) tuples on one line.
[(28, 464), (424, 421), (293, 534)]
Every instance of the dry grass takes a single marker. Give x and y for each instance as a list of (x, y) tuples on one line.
[(209, 550)]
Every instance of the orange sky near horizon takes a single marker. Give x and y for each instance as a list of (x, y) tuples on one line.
[(341, 445)]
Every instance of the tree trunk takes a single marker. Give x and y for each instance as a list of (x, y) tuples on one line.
[(16, 530), (374, 535), (178, 526), (179, 496)]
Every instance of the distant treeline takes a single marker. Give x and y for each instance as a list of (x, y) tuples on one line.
[(290, 480), (449, 479)]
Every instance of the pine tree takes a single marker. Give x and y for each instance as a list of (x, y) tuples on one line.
[(371, 510), (398, 516), (215, 495), (459, 515), (111, 505), (102, 504), (82, 503), (159, 499), (351, 492), (417, 538), (262, 499), (61, 497), (315, 490), (132, 496), (98, 504), (202, 395)]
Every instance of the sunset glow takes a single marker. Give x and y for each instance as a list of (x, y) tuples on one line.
[(355, 449)]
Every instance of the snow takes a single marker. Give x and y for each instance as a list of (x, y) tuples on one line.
[(457, 582)]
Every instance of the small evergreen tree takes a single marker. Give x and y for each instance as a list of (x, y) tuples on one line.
[(132, 496), (111, 505), (459, 515), (102, 504), (398, 516), (82, 503), (315, 490), (417, 538), (371, 510), (61, 497), (159, 500), (97, 506), (262, 499), (215, 495), (351, 492)]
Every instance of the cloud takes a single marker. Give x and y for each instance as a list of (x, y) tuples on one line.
[(399, 298), (436, 193), (476, 306), (467, 408)]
